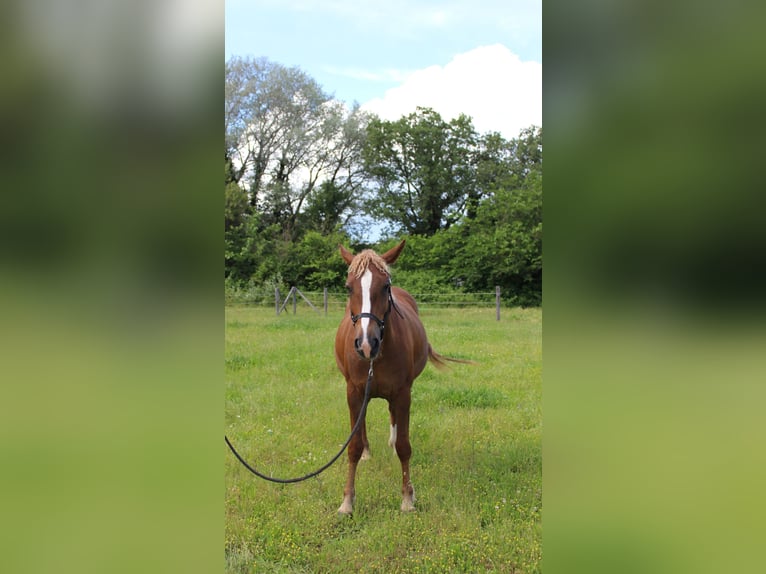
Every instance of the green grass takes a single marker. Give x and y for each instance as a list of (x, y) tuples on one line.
[(476, 435)]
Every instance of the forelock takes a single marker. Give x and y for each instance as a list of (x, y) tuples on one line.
[(363, 260)]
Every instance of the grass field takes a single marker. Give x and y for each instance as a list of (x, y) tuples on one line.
[(476, 433)]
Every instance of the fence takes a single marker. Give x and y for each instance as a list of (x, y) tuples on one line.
[(322, 301)]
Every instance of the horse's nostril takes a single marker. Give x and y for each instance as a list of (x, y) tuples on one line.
[(357, 343), (374, 346)]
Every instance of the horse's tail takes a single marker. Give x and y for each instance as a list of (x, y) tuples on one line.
[(440, 361)]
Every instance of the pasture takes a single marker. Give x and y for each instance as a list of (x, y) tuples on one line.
[(476, 433)]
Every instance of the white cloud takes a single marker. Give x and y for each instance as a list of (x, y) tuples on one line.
[(490, 83)]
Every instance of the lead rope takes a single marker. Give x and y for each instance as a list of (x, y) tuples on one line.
[(359, 420)]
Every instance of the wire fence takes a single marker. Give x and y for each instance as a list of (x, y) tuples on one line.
[(425, 300), (325, 302)]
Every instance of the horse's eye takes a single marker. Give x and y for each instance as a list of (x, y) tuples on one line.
[(349, 289)]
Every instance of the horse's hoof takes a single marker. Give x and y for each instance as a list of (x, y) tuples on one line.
[(366, 454), (347, 508), (407, 506)]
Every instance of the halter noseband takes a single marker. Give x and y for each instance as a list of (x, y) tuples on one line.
[(381, 322)]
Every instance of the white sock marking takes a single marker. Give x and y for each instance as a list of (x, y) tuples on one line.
[(392, 438)]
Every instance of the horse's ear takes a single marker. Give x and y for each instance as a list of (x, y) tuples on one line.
[(393, 254), (346, 254)]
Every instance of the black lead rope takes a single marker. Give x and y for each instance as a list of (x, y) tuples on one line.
[(332, 460)]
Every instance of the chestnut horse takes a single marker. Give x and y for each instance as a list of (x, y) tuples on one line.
[(381, 325)]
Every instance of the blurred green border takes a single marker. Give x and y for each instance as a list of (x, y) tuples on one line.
[(110, 288), (654, 287)]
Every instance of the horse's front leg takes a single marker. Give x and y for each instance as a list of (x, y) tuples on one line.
[(355, 449)]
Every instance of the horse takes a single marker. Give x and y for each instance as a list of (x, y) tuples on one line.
[(381, 325)]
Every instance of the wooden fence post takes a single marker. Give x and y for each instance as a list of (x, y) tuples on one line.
[(295, 302), (276, 298), (325, 301), (497, 301)]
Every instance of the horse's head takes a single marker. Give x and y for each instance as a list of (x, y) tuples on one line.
[(369, 296)]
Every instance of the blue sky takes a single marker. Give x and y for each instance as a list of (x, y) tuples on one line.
[(479, 57)]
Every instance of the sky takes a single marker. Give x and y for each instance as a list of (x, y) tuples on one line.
[(482, 58)]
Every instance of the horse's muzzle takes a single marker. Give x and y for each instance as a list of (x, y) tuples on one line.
[(367, 347)]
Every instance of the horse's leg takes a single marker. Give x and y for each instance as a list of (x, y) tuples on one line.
[(366, 455), (355, 448), (401, 426), (392, 433)]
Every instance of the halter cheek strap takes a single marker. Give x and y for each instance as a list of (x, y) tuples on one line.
[(381, 322)]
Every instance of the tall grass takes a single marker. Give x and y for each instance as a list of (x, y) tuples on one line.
[(476, 438)]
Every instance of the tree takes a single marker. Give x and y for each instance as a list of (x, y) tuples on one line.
[(503, 243), (270, 113), (286, 138), (328, 178), (526, 152), (235, 200), (422, 168), (328, 208)]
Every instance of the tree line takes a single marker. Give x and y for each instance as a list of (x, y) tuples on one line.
[(304, 172)]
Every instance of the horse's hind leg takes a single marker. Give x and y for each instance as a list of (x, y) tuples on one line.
[(400, 426), (392, 434), (366, 455)]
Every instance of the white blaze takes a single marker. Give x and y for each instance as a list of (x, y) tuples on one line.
[(366, 303)]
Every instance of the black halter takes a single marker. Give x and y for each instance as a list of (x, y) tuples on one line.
[(381, 322)]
